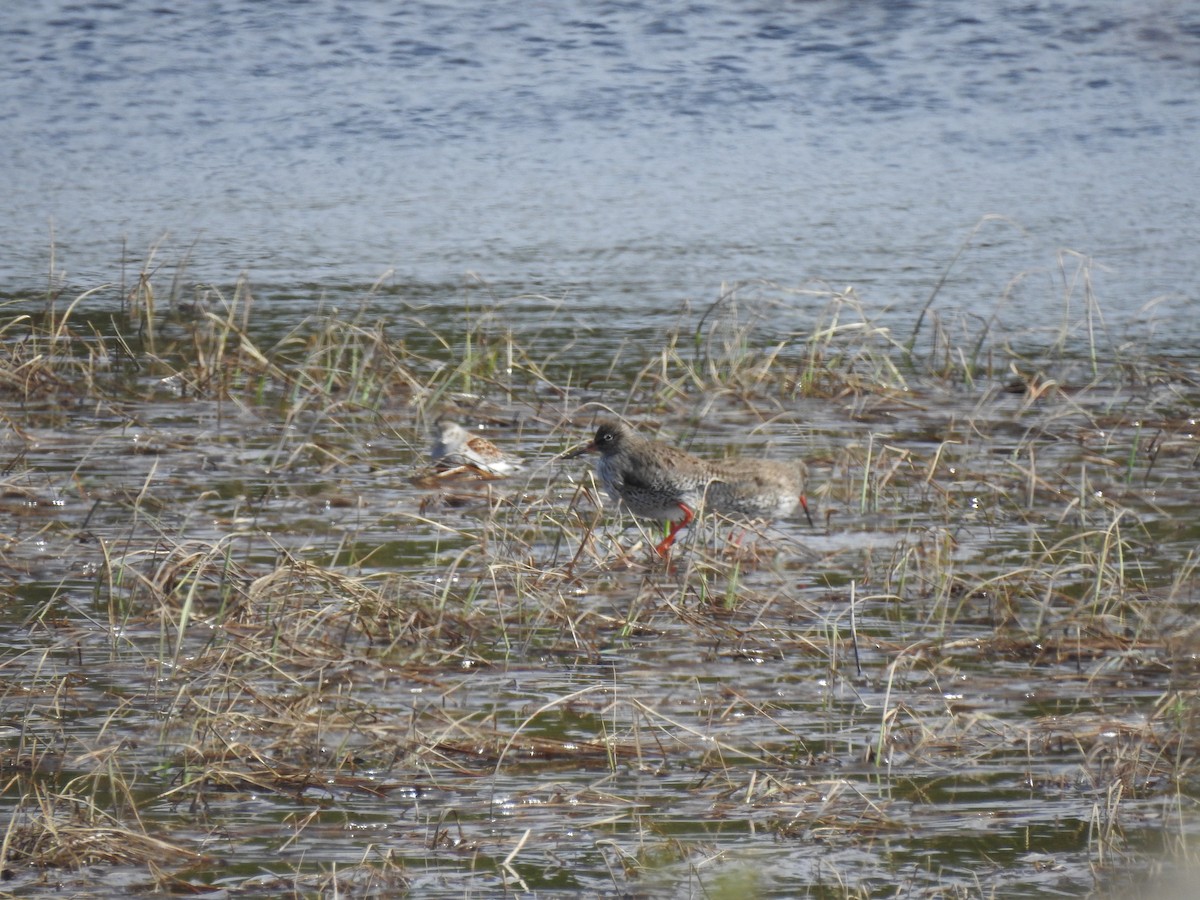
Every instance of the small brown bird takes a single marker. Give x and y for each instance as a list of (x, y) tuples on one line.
[(455, 450), (657, 481)]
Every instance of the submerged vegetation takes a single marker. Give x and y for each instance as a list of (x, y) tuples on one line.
[(253, 642)]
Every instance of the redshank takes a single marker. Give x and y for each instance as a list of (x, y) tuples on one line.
[(658, 481), (456, 450)]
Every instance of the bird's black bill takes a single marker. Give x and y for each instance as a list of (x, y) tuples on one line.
[(589, 447)]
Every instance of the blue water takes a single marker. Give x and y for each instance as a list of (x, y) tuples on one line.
[(625, 156)]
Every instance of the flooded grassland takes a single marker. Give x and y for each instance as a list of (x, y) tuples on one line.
[(253, 643)]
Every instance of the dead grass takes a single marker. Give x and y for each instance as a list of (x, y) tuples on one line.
[(267, 604)]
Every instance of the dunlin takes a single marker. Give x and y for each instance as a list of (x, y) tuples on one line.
[(657, 481), (455, 449)]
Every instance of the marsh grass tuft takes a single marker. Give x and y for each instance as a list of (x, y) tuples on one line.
[(236, 598)]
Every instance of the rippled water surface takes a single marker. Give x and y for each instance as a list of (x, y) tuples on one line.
[(241, 616), (623, 155)]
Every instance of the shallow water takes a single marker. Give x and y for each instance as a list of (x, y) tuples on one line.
[(620, 157), (570, 188), (493, 683)]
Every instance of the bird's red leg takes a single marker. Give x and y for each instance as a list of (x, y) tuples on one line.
[(676, 527), (807, 514)]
